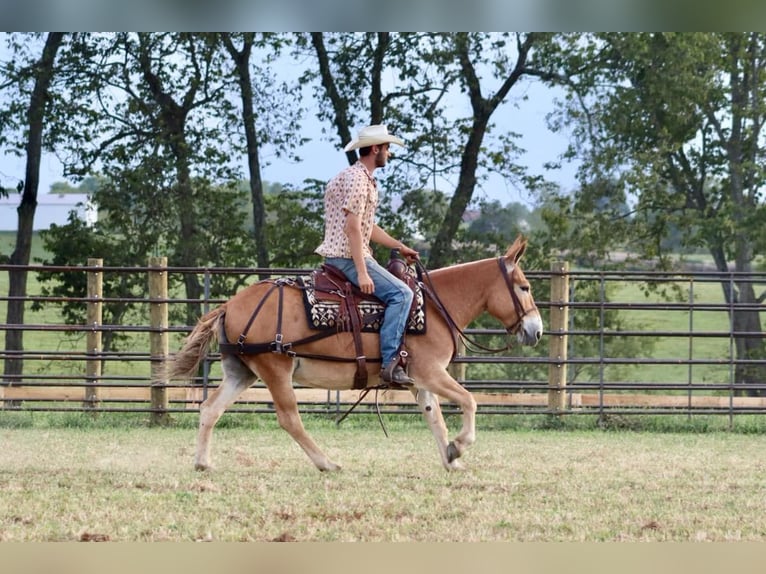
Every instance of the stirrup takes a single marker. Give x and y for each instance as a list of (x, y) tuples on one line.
[(394, 374)]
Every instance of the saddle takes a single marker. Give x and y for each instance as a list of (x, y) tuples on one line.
[(334, 302)]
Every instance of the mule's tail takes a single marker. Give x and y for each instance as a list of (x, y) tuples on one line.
[(184, 364)]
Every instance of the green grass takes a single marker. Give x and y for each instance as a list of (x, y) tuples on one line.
[(8, 244), (137, 484), (54, 341)]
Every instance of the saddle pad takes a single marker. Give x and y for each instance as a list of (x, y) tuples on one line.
[(323, 313)]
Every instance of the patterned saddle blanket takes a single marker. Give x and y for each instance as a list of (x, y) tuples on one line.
[(324, 310)]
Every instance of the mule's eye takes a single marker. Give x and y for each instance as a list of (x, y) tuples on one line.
[(524, 288)]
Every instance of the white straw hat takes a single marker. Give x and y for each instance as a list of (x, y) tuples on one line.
[(372, 135)]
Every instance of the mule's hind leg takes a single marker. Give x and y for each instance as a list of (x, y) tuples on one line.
[(432, 412), (286, 405), (236, 379)]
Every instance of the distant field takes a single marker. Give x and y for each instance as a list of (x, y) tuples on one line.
[(8, 243), (678, 347)]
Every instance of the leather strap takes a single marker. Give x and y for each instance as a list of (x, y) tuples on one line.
[(355, 324)]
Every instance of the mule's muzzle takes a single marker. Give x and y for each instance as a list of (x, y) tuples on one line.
[(530, 331)]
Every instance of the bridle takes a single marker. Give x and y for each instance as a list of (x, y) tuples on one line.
[(457, 333), (520, 312)]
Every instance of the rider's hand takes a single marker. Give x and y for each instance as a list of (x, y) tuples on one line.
[(409, 254), (365, 283)]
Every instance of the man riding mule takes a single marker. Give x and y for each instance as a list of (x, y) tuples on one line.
[(350, 201), (276, 344)]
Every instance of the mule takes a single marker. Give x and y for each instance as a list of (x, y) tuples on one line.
[(462, 292)]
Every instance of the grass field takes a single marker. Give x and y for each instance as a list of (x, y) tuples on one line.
[(8, 243), (122, 483)]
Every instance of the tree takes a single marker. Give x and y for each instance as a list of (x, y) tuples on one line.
[(508, 65), (73, 244), (350, 69), (295, 225), (40, 75), (257, 104), (156, 128), (431, 72), (677, 122), (128, 229)]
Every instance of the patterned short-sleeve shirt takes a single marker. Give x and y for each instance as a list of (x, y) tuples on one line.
[(353, 190)]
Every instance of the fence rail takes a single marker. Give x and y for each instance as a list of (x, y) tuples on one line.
[(596, 357)]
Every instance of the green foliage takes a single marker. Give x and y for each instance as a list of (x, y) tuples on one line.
[(295, 225), (649, 113), (73, 244), (136, 221), (499, 225), (62, 188), (425, 209), (673, 123)]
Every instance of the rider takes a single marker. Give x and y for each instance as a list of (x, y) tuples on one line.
[(350, 201)]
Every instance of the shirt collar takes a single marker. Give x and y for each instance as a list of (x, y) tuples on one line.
[(366, 171)]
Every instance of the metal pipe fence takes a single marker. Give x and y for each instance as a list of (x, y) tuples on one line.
[(634, 342)]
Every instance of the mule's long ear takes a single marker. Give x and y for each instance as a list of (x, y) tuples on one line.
[(516, 251)]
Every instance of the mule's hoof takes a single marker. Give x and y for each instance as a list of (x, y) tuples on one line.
[(202, 467), (452, 452), (329, 467)]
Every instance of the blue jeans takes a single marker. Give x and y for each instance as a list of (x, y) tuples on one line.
[(393, 292)]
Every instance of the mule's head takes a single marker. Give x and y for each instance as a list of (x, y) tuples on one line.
[(511, 302)]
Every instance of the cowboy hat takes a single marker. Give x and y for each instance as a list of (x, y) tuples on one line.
[(372, 135)]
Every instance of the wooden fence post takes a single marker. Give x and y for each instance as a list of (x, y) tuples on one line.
[(158, 338), (457, 370), (93, 338), (557, 347)]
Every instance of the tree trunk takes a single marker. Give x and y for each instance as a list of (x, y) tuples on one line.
[(743, 191), (17, 290), (242, 63), (483, 108), (441, 251), (339, 105), (748, 347), (172, 120), (740, 294)]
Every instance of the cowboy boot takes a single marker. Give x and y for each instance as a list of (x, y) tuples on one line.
[(394, 373)]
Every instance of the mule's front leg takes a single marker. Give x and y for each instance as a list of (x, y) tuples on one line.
[(432, 413), (467, 435), (442, 384)]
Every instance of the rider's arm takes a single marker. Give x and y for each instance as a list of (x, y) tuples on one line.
[(380, 236), (353, 230)]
